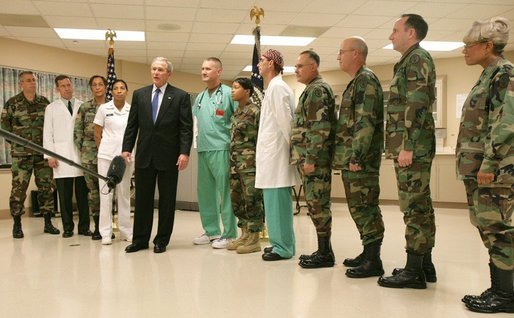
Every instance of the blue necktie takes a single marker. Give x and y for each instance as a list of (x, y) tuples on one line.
[(155, 104)]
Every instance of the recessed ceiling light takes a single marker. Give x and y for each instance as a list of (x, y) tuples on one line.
[(90, 34), (287, 69), (441, 46), (272, 40)]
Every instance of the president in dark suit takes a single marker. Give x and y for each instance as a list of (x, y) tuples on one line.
[(161, 115)]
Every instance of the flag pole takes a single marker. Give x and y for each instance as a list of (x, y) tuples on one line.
[(111, 74)]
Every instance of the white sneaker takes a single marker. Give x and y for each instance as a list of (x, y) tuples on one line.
[(204, 239), (221, 243), (106, 241)]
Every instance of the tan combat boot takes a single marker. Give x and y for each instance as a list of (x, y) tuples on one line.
[(251, 245), (232, 246)]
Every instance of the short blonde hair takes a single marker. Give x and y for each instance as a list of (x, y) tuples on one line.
[(495, 30)]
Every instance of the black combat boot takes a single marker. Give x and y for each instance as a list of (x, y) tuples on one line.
[(372, 265), (49, 228), (323, 257), (500, 298), (17, 232), (428, 268), (412, 276), (96, 234), (354, 262)]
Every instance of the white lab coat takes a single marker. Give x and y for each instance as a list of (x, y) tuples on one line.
[(272, 158), (58, 136)]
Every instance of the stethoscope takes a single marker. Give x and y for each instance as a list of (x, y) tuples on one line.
[(218, 92)]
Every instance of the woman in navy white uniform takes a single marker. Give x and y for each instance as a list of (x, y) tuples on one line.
[(110, 123)]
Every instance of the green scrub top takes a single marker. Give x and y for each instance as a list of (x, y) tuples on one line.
[(214, 114)]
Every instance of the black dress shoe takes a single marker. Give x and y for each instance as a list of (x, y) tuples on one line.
[(135, 247), (96, 236), (158, 248), (67, 234), (272, 257), (86, 233), (268, 249)]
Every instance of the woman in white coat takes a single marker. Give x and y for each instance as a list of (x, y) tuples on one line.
[(110, 123)]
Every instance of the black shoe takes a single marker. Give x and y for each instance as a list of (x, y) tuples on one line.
[(430, 273), (96, 236), (50, 229), (354, 262), (272, 257), (405, 279), (135, 247), (67, 234), (493, 302), (268, 249), (86, 233), (158, 248), (305, 257), (318, 261), (470, 298), (17, 232), (368, 269)]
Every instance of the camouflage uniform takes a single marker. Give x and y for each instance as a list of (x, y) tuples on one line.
[(312, 143), (247, 201), (83, 137), (410, 127), (25, 119), (485, 144), (360, 140)]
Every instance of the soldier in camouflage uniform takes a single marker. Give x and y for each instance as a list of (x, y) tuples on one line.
[(246, 200), (485, 159), (84, 140), (23, 115), (359, 144), (410, 142), (312, 138)]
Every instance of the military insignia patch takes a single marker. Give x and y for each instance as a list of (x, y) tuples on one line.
[(504, 80), (317, 92), (414, 59)]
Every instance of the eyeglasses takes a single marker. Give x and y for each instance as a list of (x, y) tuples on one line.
[(341, 52), (472, 44), (299, 66)]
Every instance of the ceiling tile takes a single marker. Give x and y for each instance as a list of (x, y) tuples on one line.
[(31, 32), (206, 47), (317, 19), (283, 5), (384, 8), (173, 3), (212, 27), (170, 14), (75, 22), (166, 45), (220, 15), (210, 38), (431, 9), (268, 29), (154, 25), (43, 41), (19, 7), (227, 4), (342, 33), (485, 10), (114, 11), (63, 8), (333, 6), (362, 21), (121, 24), (166, 37)]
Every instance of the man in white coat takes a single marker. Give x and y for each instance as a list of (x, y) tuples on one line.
[(274, 174), (58, 137)]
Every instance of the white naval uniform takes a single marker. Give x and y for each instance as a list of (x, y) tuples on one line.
[(113, 122)]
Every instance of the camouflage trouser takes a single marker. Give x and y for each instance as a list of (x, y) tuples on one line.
[(316, 187), (22, 168), (416, 205), (490, 210), (93, 196), (362, 191), (247, 201)]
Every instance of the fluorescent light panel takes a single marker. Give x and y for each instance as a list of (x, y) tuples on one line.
[(273, 40), (90, 34), (435, 46), (287, 69)]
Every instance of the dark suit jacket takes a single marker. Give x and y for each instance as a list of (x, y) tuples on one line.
[(161, 143)]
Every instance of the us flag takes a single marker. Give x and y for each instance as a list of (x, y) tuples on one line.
[(111, 74), (256, 77)]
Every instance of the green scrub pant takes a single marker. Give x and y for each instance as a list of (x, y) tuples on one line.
[(278, 207), (213, 191)]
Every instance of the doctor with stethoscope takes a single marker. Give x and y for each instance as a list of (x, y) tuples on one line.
[(110, 123)]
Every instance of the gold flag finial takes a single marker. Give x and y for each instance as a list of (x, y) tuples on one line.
[(257, 13), (110, 35)]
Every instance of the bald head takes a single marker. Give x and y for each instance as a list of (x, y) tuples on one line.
[(352, 55)]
